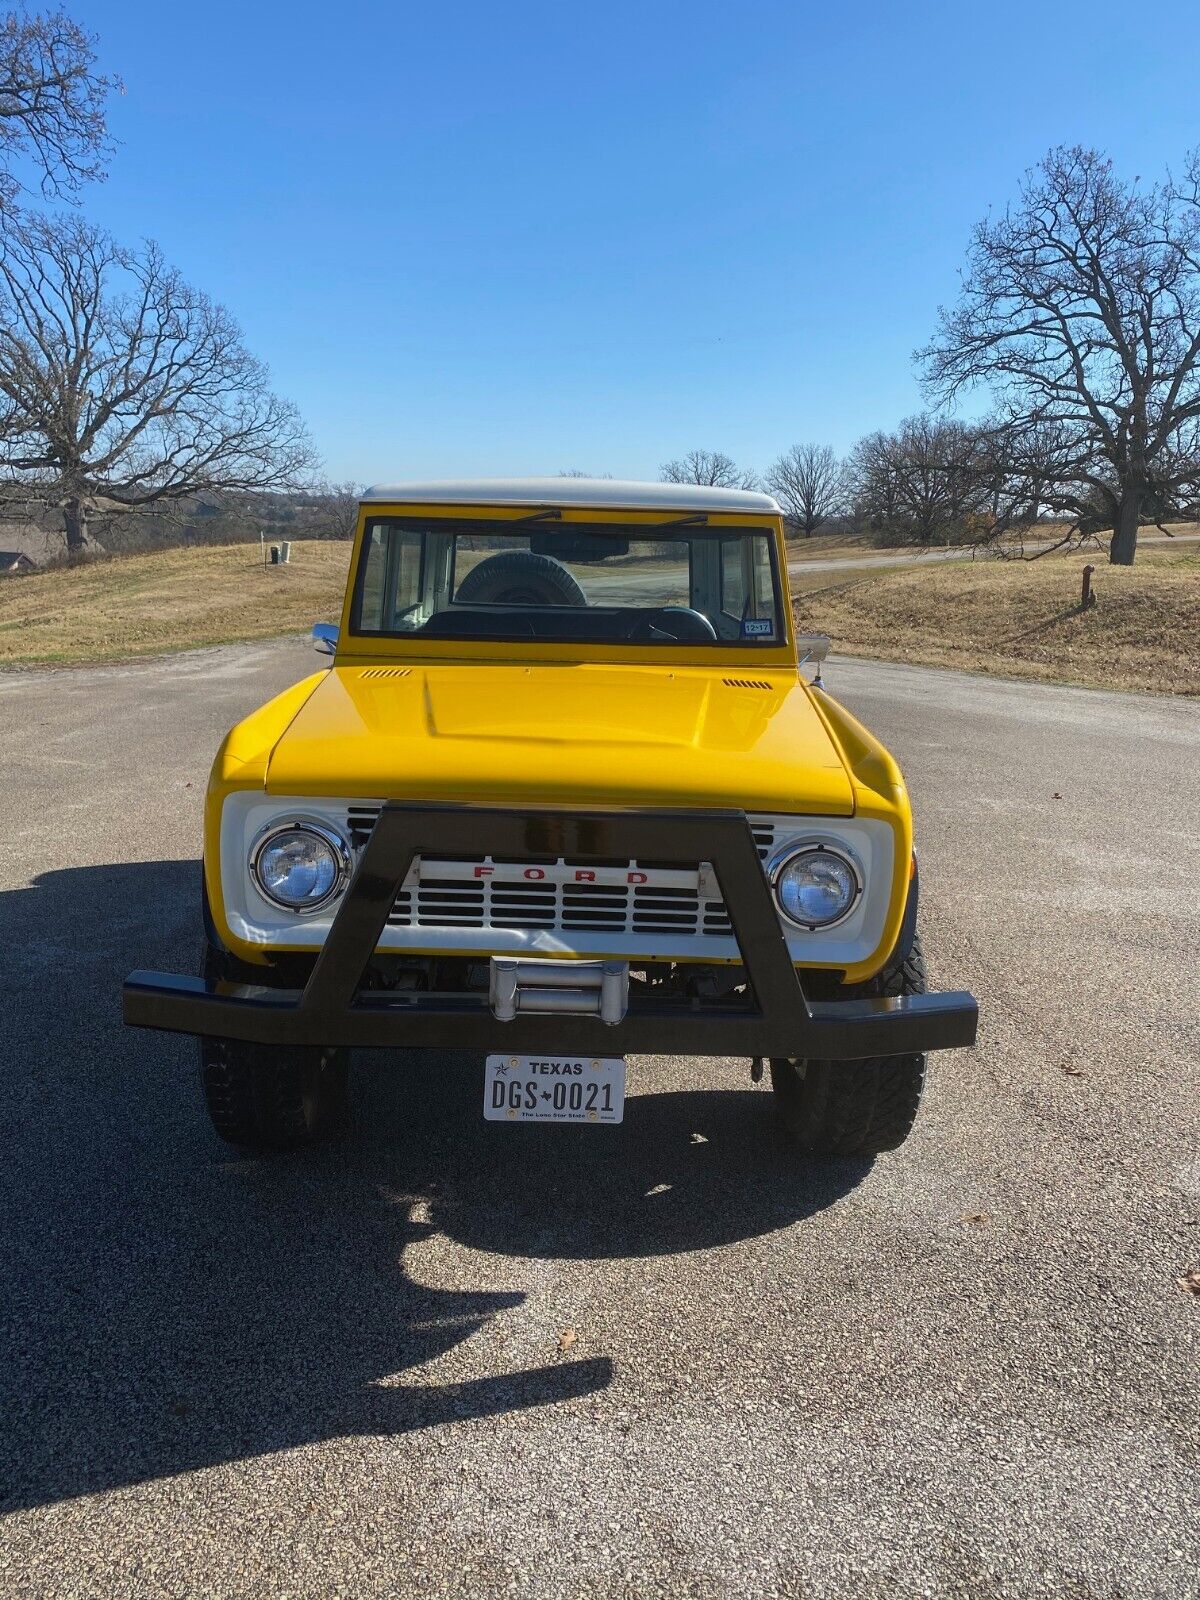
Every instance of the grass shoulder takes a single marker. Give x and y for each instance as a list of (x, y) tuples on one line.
[(1023, 618), (123, 607)]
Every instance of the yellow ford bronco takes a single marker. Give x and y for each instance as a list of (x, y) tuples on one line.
[(562, 794)]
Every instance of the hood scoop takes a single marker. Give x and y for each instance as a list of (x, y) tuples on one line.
[(745, 683)]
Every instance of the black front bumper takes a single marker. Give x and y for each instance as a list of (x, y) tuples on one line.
[(776, 1020)]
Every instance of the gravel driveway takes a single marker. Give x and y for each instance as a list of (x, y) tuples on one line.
[(453, 1358)]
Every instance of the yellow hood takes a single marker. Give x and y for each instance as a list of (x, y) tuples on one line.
[(570, 735)]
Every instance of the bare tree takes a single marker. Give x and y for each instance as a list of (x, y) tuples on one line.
[(121, 386), (336, 505), (1080, 310), (871, 483), (1030, 479), (927, 481), (51, 102), (710, 467), (809, 484)]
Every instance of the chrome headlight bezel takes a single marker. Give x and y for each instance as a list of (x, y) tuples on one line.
[(338, 847), (794, 850)]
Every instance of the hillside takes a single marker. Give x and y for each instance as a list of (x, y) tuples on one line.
[(1022, 619), (169, 600)]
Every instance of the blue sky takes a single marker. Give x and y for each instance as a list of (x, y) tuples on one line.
[(507, 239)]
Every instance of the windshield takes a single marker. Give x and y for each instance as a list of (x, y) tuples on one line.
[(448, 579)]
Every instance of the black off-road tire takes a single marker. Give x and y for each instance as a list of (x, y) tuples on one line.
[(854, 1108), (520, 578), (269, 1097)]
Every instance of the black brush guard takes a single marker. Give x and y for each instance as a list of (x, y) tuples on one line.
[(775, 1020)]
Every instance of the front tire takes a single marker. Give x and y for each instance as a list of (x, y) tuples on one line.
[(268, 1097), (854, 1108)]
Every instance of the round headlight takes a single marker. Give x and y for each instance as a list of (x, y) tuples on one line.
[(301, 866), (815, 886)]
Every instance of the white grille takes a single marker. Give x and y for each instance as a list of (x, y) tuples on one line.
[(485, 892)]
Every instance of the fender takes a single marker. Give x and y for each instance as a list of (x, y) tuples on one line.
[(908, 928)]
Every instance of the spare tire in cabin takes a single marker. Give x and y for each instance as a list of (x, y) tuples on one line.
[(520, 578)]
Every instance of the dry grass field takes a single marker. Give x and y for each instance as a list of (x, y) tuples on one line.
[(1016, 619), (829, 546), (170, 600), (1022, 619)]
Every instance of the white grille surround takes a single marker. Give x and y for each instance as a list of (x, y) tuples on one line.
[(485, 905)]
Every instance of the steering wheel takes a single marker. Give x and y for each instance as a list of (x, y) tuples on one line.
[(680, 623)]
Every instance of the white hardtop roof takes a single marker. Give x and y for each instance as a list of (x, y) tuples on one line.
[(590, 492)]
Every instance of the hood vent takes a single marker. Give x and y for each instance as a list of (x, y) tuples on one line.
[(745, 683), (385, 672)]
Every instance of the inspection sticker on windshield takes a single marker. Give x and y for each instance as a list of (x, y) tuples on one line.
[(756, 627), (554, 1089)]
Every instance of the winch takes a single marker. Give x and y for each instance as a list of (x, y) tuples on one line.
[(579, 988)]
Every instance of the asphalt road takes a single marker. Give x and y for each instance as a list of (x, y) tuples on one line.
[(967, 1369)]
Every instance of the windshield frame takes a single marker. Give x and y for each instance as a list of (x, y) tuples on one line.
[(685, 526)]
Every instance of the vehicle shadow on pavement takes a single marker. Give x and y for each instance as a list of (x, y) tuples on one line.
[(167, 1304), (689, 1169)]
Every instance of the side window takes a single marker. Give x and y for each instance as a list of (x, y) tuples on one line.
[(747, 588), (404, 579), (374, 560), (733, 577), (391, 579), (764, 589)]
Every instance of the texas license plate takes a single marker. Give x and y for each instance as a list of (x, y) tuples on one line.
[(554, 1089)]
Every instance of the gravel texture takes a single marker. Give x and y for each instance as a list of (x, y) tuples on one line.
[(450, 1358)]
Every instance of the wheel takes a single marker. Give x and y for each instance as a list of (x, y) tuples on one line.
[(854, 1108), (520, 578), (268, 1097)]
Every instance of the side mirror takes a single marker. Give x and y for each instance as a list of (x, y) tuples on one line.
[(325, 638), (811, 646)]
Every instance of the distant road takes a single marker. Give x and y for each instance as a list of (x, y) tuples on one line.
[(447, 1357), (920, 558)]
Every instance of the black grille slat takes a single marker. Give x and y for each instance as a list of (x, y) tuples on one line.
[(361, 821)]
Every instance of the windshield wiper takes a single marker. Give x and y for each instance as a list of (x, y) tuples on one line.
[(697, 520), (549, 515)]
